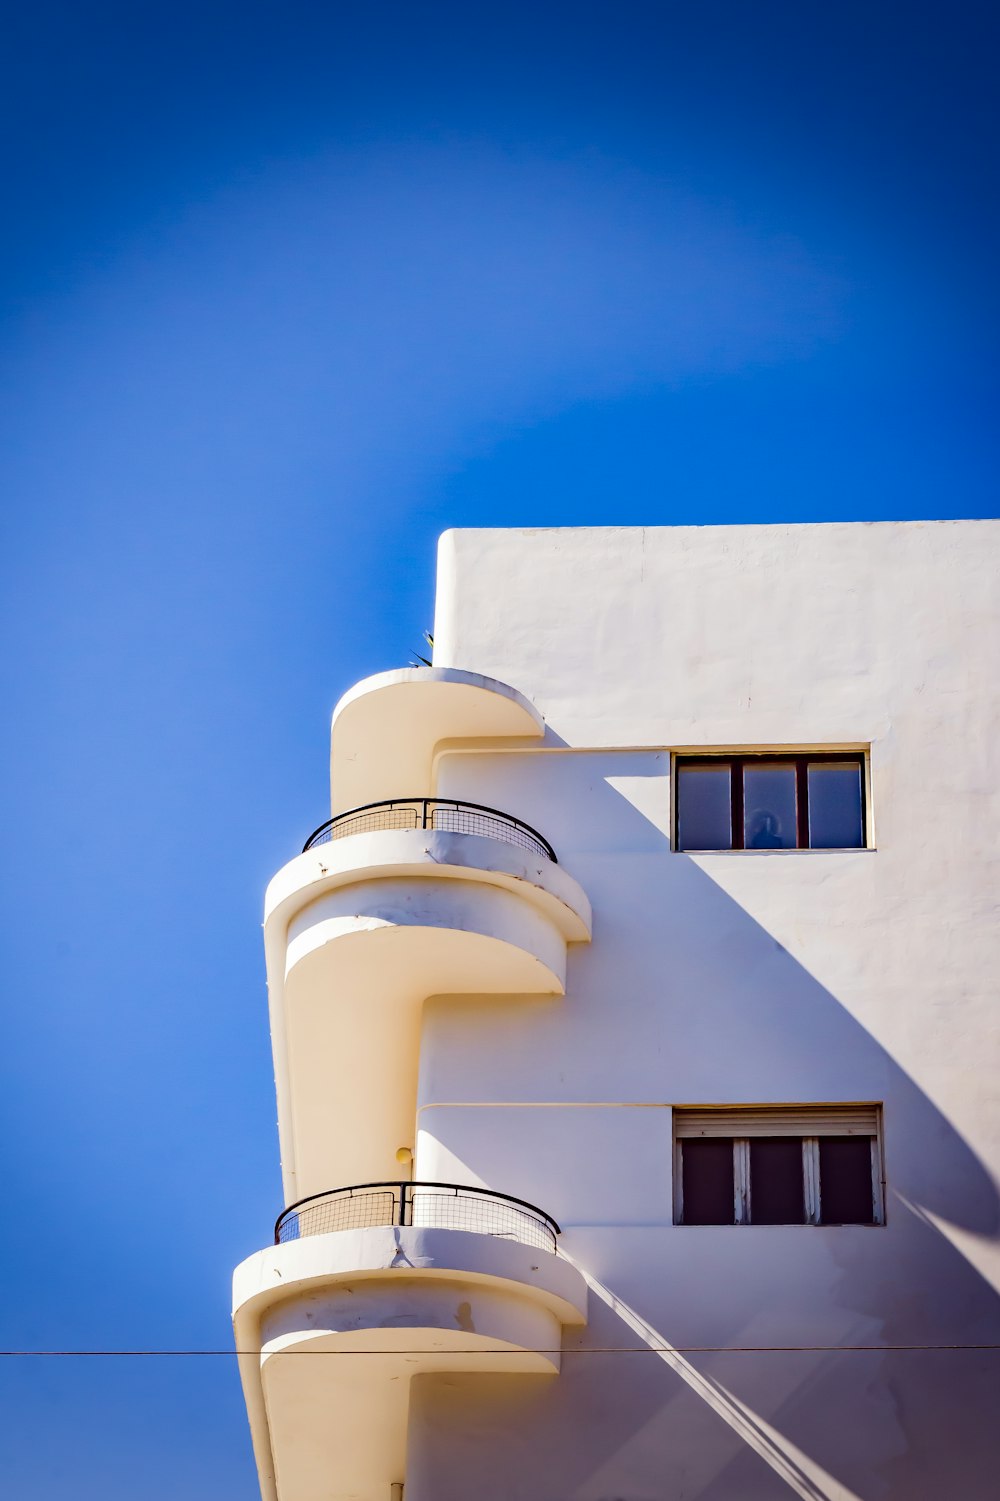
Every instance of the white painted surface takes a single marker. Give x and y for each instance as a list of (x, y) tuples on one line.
[(343, 1322), (357, 934), (781, 977), (372, 758)]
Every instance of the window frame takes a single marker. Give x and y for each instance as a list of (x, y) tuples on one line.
[(791, 1121), (736, 760)]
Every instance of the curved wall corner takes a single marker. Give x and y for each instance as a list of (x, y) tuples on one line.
[(357, 935), (386, 729), (342, 1322)]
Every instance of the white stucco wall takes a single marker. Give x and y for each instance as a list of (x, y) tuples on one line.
[(735, 978)]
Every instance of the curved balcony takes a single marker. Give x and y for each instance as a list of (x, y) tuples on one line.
[(416, 1278), (439, 1206), (363, 926), (443, 813)]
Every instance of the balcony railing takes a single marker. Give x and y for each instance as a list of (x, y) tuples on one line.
[(432, 813), (439, 1206)]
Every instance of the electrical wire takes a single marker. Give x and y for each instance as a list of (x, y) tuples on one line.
[(479, 1351)]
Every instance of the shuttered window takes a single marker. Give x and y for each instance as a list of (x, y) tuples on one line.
[(778, 1165), (708, 1181)]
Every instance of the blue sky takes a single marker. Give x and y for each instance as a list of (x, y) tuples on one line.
[(285, 292)]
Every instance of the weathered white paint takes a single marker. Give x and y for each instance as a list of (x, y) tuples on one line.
[(753, 977), (343, 1322)]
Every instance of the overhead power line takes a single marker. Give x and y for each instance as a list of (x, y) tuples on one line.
[(480, 1351)]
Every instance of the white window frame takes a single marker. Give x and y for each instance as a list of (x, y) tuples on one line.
[(807, 1122)]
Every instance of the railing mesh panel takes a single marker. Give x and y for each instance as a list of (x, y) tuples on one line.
[(367, 821), (445, 814), (425, 1205), (483, 1216), (463, 820), (340, 1212)]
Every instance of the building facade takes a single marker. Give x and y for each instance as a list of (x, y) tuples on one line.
[(636, 1035)]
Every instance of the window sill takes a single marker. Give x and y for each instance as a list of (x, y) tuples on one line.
[(868, 849), (792, 1225)]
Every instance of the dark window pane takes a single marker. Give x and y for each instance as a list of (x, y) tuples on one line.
[(777, 1196), (845, 1180), (835, 806), (708, 1181), (769, 808), (704, 817)]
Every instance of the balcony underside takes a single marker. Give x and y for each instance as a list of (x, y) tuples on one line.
[(341, 1322), (359, 933)]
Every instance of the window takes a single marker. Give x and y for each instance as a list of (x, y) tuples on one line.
[(778, 1165), (770, 802)]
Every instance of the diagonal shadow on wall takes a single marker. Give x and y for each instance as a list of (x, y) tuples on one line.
[(690, 996)]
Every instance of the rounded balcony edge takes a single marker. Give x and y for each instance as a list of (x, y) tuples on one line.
[(296, 1267), (432, 854)]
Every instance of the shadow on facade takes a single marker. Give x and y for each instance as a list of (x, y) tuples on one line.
[(756, 1026)]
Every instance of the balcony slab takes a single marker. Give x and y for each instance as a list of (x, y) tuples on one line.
[(331, 1328)]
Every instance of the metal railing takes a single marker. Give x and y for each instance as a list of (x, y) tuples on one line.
[(432, 813), (439, 1206)]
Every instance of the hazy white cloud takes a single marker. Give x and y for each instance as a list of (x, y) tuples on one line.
[(355, 309)]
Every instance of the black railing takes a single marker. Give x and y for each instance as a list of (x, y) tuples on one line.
[(432, 813), (439, 1206)]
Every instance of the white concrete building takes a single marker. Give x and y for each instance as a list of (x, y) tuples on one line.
[(737, 1044)]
